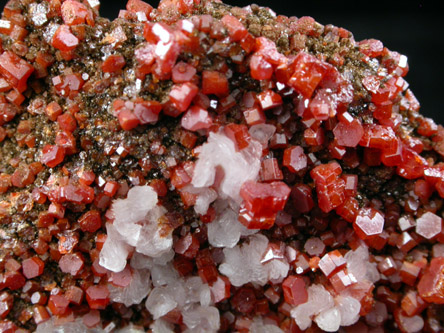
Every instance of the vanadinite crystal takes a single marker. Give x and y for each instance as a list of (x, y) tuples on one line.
[(199, 167)]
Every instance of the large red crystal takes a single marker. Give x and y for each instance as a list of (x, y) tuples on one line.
[(431, 285), (264, 199), (15, 70)]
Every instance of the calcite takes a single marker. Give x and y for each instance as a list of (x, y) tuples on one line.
[(199, 167)]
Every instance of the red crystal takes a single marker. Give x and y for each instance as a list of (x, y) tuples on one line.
[(183, 72), (214, 82), (264, 199), (64, 40), (196, 119), (97, 297), (135, 6), (269, 99), (33, 267), (260, 69), (52, 155), (371, 47), (430, 285), (181, 95), (295, 290), (329, 186), (58, 304), (15, 70), (74, 13), (113, 63), (308, 73), (236, 30), (295, 159), (349, 132), (71, 263), (244, 300), (429, 225)]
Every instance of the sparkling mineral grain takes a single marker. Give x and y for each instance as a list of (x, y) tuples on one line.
[(198, 167)]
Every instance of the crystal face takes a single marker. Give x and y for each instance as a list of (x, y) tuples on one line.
[(199, 167)]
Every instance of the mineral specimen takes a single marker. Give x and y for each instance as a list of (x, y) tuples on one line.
[(206, 168)]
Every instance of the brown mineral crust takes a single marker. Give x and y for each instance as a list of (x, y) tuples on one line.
[(94, 152)]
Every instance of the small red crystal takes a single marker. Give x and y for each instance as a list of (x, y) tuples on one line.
[(33, 267), (64, 40), (369, 222), (214, 82), (15, 70), (295, 290), (52, 155), (90, 221), (97, 297)]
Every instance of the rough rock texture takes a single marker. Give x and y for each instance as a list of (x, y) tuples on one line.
[(206, 168)]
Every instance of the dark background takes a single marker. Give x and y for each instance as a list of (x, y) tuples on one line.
[(414, 28)]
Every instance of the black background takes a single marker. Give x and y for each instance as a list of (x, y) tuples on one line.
[(413, 28)]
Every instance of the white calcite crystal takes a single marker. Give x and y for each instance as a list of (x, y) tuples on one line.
[(262, 133), (161, 300), (135, 292), (258, 326), (128, 329), (242, 264), (329, 320), (219, 153), (162, 275), (135, 227), (114, 251), (205, 196), (152, 241), (319, 300), (38, 13), (162, 326), (201, 319), (132, 210), (180, 293), (358, 264), (328, 313), (75, 326), (349, 308), (225, 230)]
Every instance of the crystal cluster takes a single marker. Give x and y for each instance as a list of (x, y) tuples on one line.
[(199, 167)]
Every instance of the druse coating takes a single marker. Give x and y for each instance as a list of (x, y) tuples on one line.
[(206, 168)]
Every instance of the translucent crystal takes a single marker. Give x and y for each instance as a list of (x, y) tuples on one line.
[(127, 212), (349, 309), (428, 225), (135, 292), (319, 300), (258, 326), (152, 241), (242, 264), (203, 319), (329, 320), (160, 301), (162, 326), (238, 167), (225, 230), (76, 326), (114, 251)]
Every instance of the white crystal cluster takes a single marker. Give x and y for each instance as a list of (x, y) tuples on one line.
[(329, 311), (220, 170), (243, 264), (225, 230), (135, 227)]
